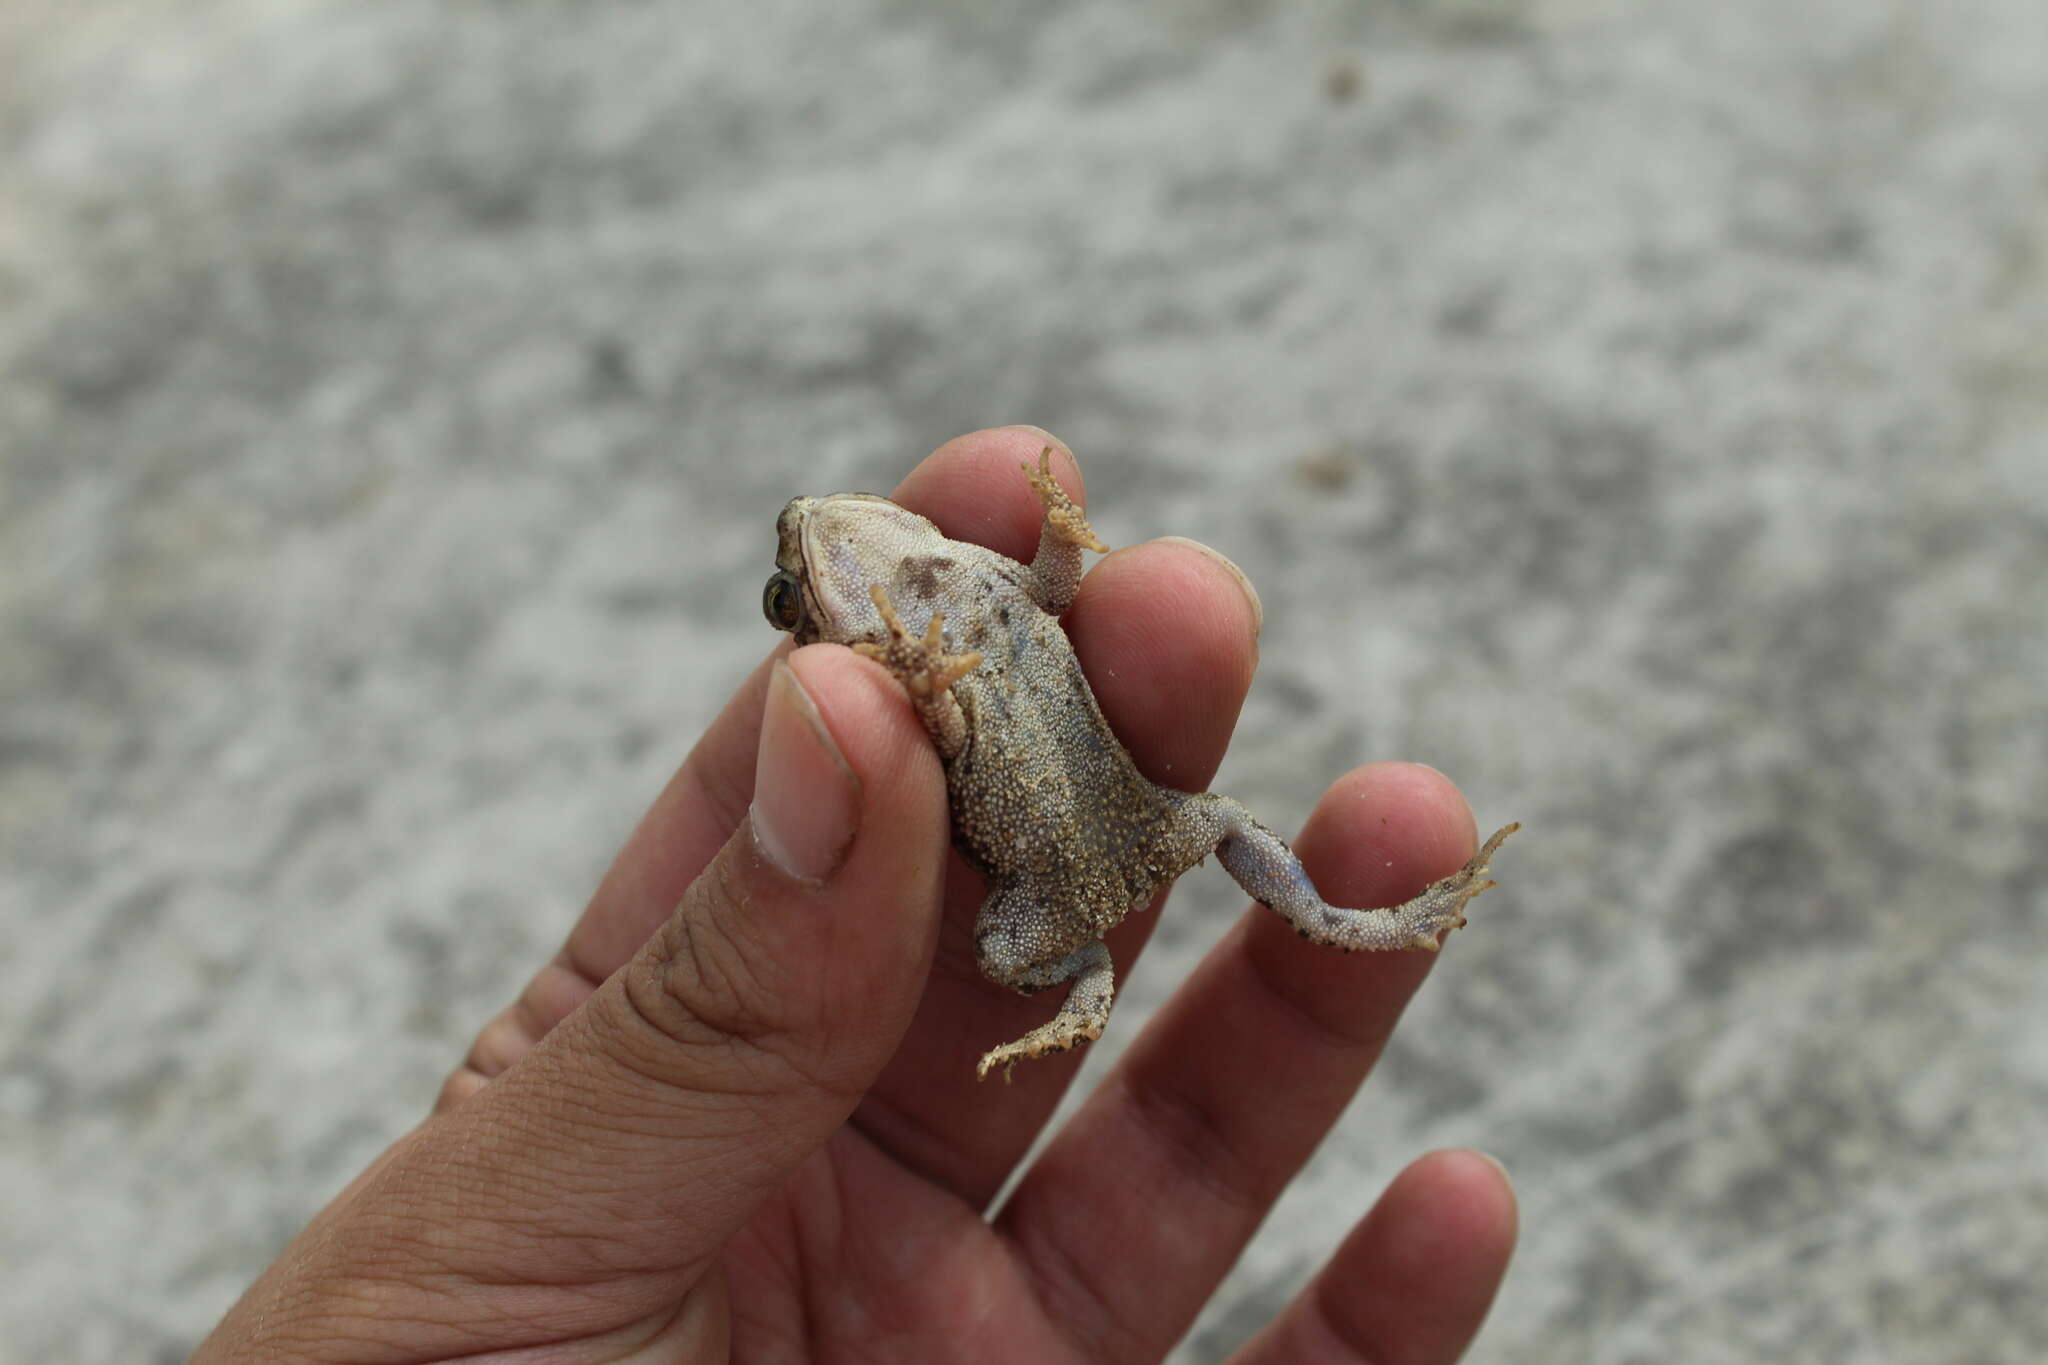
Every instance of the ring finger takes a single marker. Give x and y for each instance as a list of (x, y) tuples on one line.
[(1186, 1145)]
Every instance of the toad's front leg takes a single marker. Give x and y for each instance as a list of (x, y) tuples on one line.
[(1062, 536), (926, 671)]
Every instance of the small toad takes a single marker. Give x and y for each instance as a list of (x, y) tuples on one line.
[(1044, 799)]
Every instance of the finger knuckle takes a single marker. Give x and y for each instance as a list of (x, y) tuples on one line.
[(1202, 1145), (461, 1083), (701, 985)]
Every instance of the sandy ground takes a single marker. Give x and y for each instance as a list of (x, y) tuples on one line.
[(1635, 410)]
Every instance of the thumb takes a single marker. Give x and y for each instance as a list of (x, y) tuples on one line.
[(623, 1150), (743, 1033)]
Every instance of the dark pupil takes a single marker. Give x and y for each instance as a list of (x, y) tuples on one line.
[(780, 602)]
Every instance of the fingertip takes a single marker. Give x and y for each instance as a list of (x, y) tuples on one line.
[(1039, 434), (1415, 1278), (1384, 830), (1169, 639), (1065, 467), (1434, 797), (1446, 1228), (972, 488), (1432, 788), (1472, 1194), (1231, 573)]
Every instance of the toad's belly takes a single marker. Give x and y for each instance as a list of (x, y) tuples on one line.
[(1045, 799)]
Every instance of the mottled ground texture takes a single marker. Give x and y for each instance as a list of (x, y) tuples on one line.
[(1637, 410)]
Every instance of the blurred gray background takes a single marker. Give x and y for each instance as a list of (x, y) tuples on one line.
[(1637, 410)]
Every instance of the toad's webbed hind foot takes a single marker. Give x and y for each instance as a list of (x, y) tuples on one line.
[(1264, 866), (1082, 1016), (925, 670)]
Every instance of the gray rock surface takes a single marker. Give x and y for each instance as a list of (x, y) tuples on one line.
[(1638, 411)]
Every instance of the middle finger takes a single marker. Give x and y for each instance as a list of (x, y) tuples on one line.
[(1167, 634), (1174, 1161)]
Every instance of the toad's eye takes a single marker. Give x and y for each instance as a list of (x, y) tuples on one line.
[(782, 602)]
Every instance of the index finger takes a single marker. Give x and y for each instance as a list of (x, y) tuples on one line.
[(972, 489), (1166, 633)]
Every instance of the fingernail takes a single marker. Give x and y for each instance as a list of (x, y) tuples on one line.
[(1490, 1159), (1042, 434), (806, 796), (1251, 594)]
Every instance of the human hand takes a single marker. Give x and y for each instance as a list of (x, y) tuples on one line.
[(737, 1115)]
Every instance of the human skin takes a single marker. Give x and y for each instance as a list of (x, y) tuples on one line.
[(736, 1115)]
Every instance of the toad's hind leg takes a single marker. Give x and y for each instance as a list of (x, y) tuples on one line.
[(1082, 1015), (1264, 866)]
